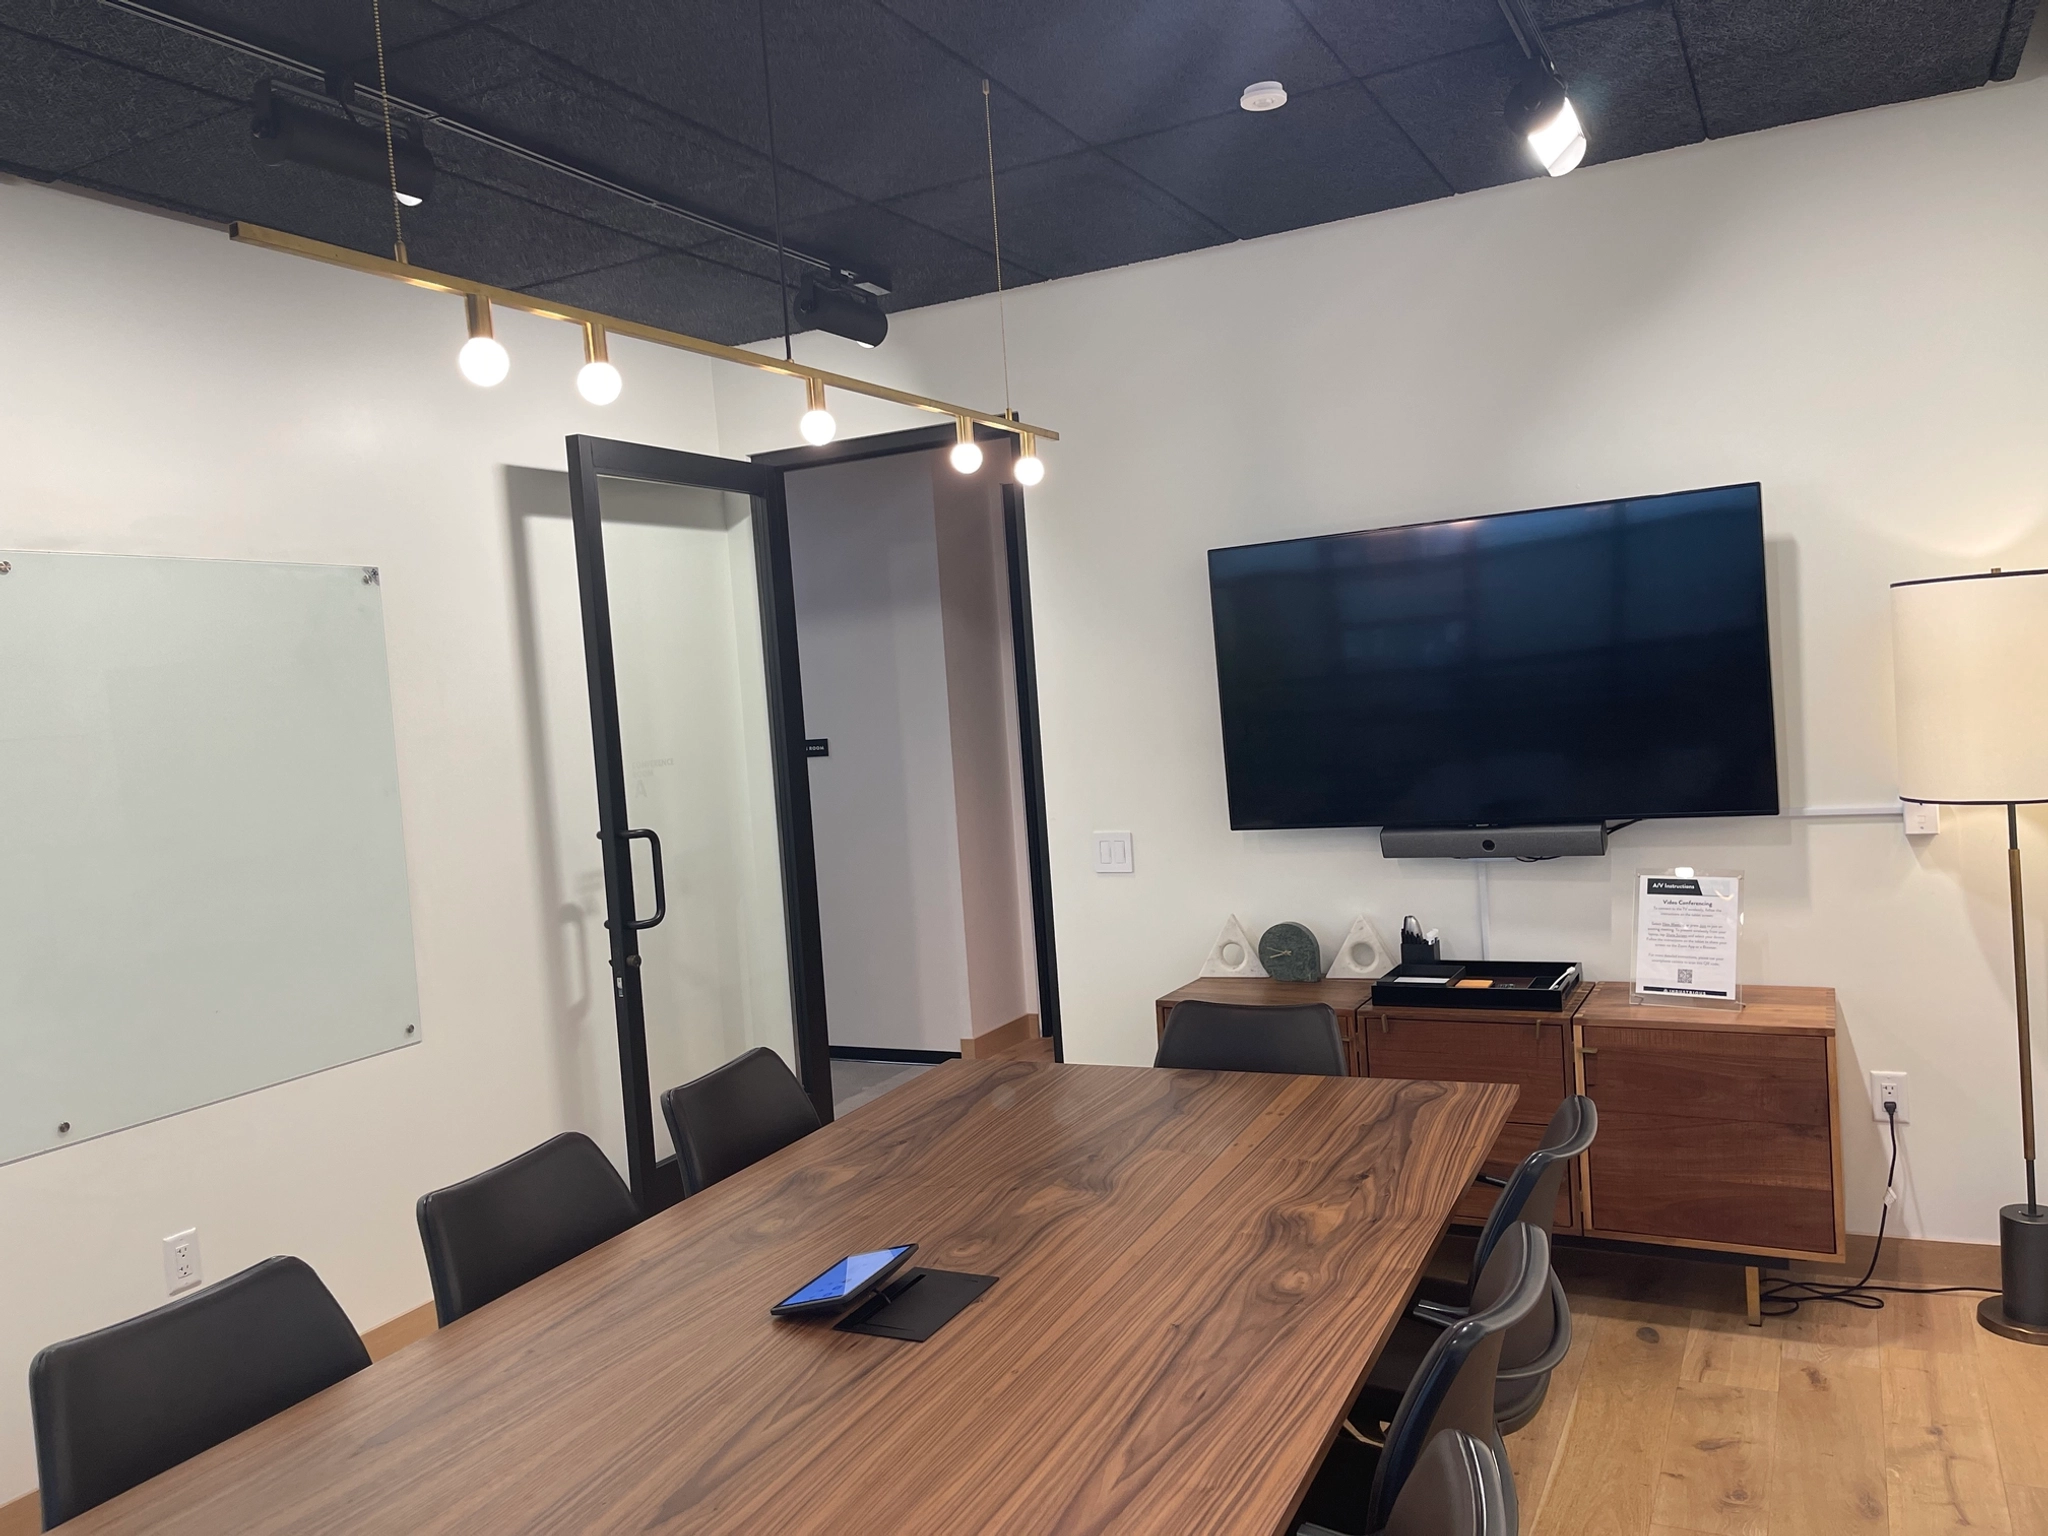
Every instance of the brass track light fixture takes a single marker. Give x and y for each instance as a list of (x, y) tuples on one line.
[(817, 424), (597, 380), (483, 359), (966, 454)]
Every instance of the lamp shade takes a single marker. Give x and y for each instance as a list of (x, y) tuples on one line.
[(1970, 660)]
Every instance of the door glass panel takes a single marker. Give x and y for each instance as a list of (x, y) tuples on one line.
[(695, 747)]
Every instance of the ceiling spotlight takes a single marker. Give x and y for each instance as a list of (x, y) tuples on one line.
[(816, 424), (1540, 111), (842, 311), (597, 380), (1263, 96), (1029, 468), (966, 454), (284, 129), (483, 359)]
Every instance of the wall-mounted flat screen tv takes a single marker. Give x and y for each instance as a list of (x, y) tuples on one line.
[(1603, 662)]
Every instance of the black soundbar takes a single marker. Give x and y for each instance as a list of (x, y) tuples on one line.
[(1588, 841)]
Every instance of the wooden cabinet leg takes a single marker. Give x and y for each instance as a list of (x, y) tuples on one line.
[(1752, 1295)]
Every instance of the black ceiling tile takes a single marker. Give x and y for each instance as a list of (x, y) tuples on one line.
[(866, 102), (1759, 65), (140, 45), (923, 265), (2012, 42), (1081, 213), (61, 109), (678, 292), (1372, 36), (703, 63), (1628, 82), (1117, 71), (456, 155), (635, 143), (448, 68), (1328, 154), (326, 33), (1451, 107)]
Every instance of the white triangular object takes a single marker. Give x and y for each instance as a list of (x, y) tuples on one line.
[(1363, 954), (1233, 954)]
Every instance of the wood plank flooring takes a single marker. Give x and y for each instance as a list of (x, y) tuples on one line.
[(1673, 1418)]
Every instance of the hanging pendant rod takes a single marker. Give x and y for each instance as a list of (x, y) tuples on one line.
[(549, 309)]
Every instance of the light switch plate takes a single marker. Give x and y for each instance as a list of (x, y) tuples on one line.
[(1921, 820), (1113, 854)]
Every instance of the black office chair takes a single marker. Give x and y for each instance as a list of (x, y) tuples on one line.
[(1232, 1037), (735, 1115), (1458, 1488), (1365, 1472), (114, 1408), (1539, 1343), (493, 1233)]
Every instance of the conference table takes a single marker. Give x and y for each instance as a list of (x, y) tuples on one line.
[(1195, 1270)]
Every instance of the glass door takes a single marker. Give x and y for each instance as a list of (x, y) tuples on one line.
[(696, 715)]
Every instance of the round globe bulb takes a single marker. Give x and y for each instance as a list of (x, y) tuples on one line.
[(966, 457), (818, 427), (484, 361), (1029, 470), (599, 383)]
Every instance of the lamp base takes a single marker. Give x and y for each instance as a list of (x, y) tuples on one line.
[(2022, 1311)]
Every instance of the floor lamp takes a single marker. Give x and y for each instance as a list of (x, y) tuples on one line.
[(1970, 656)]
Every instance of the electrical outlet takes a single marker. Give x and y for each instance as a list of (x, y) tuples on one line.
[(1888, 1087), (1921, 820), (181, 1260)]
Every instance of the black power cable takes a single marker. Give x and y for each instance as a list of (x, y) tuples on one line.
[(1789, 1294)]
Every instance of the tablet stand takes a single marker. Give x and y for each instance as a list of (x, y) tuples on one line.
[(915, 1305)]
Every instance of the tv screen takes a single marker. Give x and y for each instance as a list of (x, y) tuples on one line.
[(1603, 662)]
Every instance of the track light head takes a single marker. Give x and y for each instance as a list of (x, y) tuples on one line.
[(1028, 468), (1540, 111), (816, 424), (841, 311), (286, 130), (966, 454), (597, 380), (483, 359)]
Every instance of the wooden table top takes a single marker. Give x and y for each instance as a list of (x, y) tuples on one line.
[(1765, 1009), (1196, 1270)]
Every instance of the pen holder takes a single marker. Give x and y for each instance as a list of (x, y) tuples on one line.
[(1420, 951)]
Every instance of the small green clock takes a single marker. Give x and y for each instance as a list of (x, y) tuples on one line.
[(1289, 952)]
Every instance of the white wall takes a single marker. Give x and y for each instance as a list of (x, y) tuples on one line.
[(166, 392), (1851, 311), (864, 562)]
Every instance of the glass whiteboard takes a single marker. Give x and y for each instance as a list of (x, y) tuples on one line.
[(202, 866)]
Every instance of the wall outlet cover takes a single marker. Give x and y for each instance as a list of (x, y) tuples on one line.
[(1892, 1086), (1921, 820), (181, 1260)]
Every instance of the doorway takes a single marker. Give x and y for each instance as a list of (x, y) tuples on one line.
[(696, 685)]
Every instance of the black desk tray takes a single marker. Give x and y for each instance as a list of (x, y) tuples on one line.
[(1524, 986)]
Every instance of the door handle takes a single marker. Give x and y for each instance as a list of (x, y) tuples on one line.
[(660, 891)]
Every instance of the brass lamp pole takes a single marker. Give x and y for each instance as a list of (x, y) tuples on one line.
[(1971, 665)]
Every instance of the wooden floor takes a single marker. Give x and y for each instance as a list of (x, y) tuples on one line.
[(1672, 1417)]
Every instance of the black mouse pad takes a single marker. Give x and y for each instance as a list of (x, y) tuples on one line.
[(916, 1305)]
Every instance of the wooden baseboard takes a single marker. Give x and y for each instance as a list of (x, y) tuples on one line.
[(1003, 1040), (1913, 1261), (24, 1516)]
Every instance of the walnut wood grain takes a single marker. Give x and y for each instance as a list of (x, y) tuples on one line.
[(1764, 1010), (1440, 1045), (1197, 1269)]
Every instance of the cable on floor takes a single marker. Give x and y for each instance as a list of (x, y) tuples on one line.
[(1781, 1298)]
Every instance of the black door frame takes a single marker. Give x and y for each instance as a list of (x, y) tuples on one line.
[(1023, 650), (656, 1182)]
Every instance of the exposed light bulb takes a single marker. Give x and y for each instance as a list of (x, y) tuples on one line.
[(599, 382), (1028, 468), (966, 457), (1560, 143), (484, 360), (408, 199), (816, 423)]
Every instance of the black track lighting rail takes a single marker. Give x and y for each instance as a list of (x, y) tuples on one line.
[(1524, 27), (868, 281)]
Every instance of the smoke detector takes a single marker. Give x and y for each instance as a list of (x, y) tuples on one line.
[(1263, 96)]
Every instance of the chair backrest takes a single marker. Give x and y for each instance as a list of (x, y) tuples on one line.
[(1455, 1490), (735, 1115), (493, 1233), (1531, 1193), (1234, 1037), (1453, 1387), (114, 1408)]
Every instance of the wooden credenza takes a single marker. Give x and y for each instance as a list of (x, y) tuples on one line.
[(1719, 1129)]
